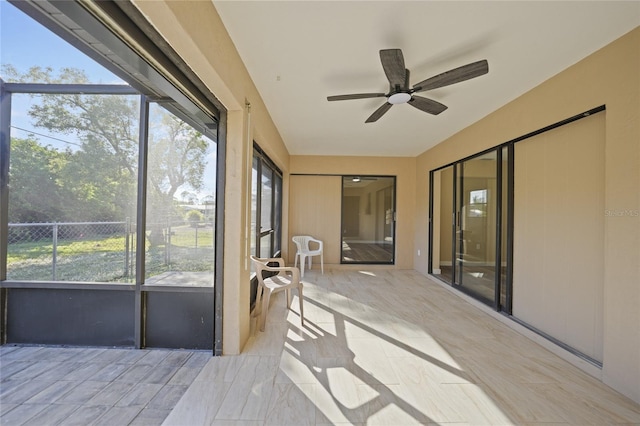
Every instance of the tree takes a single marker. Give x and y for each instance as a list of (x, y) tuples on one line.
[(99, 180), (176, 157), (194, 217), (35, 182)]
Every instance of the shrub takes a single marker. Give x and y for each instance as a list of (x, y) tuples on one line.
[(194, 217)]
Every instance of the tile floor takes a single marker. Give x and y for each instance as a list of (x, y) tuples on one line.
[(377, 348), (393, 348), (81, 386)]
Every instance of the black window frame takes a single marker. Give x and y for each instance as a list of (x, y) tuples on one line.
[(394, 233), (275, 231), (155, 72)]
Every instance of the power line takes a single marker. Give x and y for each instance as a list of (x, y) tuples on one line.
[(46, 136)]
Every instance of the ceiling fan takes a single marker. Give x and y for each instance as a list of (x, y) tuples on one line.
[(400, 91)]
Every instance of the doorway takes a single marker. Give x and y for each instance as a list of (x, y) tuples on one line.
[(368, 219), (468, 220)]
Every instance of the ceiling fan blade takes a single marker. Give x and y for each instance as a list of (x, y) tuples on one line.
[(379, 112), (393, 65), (456, 75), (355, 96), (427, 105)]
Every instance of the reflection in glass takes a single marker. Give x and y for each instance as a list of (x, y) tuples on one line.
[(180, 202), (368, 219), (266, 206), (475, 256), (277, 214), (265, 244), (72, 201), (504, 299), (266, 201), (254, 205), (465, 209), (443, 229), (266, 211)]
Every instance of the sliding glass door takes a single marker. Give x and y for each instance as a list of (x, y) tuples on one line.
[(520, 228), (475, 226), (368, 219), (468, 225)]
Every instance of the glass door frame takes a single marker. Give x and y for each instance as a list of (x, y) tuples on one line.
[(264, 163), (457, 187), (392, 220), (503, 302), (259, 163)]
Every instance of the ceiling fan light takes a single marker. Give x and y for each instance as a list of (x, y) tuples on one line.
[(399, 98)]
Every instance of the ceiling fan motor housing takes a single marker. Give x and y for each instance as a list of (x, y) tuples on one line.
[(399, 98)]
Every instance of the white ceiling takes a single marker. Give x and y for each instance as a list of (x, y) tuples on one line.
[(300, 52)]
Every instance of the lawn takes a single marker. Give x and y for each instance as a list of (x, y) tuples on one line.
[(106, 259)]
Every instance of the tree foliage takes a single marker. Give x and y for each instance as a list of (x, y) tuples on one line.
[(194, 217), (176, 159), (99, 180), (35, 182)]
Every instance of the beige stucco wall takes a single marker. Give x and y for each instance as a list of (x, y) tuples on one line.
[(315, 206), (195, 31), (609, 77)]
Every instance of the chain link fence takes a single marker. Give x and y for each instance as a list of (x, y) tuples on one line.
[(105, 251), (176, 245)]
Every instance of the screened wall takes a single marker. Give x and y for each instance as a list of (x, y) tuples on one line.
[(110, 196)]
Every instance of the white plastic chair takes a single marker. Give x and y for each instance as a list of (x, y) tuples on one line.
[(281, 278), (304, 251)]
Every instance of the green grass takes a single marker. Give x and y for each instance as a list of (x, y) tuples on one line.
[(104, 259), (33, 250), (185, 236)]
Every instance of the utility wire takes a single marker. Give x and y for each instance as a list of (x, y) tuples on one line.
[(47, 136)]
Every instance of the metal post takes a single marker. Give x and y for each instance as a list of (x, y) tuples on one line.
[(5, 131), (141, 221), (127, 249), (167, 246), (197, 226), (55, 251), (218, 294), (5, 143)]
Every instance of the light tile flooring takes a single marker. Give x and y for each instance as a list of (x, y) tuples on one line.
[(81, 386), (377, 348), (393, 348)]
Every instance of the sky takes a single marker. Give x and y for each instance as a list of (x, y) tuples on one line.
[(25, 43)]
